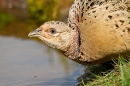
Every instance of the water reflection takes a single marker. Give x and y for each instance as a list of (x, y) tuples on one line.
[(30, 63)]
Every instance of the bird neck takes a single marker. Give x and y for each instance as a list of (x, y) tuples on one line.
[(73, 50)]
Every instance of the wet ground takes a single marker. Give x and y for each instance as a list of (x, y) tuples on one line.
[(31, 63)]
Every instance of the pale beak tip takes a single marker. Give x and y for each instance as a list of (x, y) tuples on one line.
[(34, 33), (30, 34)]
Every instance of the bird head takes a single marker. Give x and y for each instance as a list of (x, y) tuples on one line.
[(55, 34)]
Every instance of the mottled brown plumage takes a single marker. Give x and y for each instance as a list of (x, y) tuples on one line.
[(97, 31)]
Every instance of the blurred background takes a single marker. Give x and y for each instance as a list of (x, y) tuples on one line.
[(27, 61), (26, 15)]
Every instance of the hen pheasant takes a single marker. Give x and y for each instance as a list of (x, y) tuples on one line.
[(97, 31)]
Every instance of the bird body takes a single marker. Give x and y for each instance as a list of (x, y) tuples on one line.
[(96, 30)]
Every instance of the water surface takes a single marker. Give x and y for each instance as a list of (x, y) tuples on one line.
[(30, 63)]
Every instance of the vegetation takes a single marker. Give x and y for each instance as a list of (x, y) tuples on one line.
[(119, 76), (5, 19), (40, 11), (44, 10)]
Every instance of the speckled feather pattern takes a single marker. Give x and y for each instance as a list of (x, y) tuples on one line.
[(104, 27), (97, 31)]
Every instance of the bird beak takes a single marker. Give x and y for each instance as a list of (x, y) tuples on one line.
[(35, 33)]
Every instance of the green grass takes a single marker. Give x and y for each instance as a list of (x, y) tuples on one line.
[(119, 76)]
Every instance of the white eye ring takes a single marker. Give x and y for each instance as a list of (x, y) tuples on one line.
[(56, 34)]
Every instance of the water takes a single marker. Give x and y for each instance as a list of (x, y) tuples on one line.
[(30, 63)]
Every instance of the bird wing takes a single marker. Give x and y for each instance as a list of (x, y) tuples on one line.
[(104, 26), (82, 9)]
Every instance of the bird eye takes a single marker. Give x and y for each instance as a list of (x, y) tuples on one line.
[(52, 31)]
